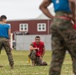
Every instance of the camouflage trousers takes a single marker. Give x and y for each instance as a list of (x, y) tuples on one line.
[(5, 43), (38, 61), (35, 59), (63, 39)]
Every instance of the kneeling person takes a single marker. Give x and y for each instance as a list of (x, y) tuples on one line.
[(37, 51)]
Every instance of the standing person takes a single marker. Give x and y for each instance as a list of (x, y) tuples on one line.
[(5, 33), (63, 34), (37, 49)]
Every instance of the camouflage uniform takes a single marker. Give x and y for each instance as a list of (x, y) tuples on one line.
[(5, 43), (63, 39), (35, 59)]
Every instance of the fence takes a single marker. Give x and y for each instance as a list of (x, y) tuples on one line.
[(23, 41)]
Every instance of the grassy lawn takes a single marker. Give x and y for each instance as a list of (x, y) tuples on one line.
[(23, 67)]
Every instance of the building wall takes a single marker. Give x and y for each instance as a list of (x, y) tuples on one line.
[(23, 41), (32, 26)]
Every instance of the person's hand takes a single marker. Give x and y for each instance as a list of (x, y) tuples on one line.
[(75, 20), (72, 19), (36, 48), (40, 58)]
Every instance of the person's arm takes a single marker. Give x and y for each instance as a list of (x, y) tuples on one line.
[(44, 9), (72, 6), (43, 52), (9, 33), (32, 48)]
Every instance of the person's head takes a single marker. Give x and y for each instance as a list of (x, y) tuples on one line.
[(3, 18), (37, 39)]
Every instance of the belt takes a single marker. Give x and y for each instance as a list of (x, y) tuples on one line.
[(63, 17)]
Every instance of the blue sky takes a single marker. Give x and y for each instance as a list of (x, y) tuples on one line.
[(20, 9)]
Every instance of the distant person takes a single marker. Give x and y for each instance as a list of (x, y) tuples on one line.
[(63, 33), (5, 33), (37, 51)]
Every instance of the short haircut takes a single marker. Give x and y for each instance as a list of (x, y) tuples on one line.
[(3, 17), (37, 37)]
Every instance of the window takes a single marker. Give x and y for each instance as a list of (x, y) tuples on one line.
[(41, 27), (23, 27)]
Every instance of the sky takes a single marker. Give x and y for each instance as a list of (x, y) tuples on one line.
[(20, 9)]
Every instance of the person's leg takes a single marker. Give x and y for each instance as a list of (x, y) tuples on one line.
[(58, 54), (1, 45), (72, 49), (8, 52), (32, 56), (38, 61), (58, 51), (33, 62), (0, 49), (72, 52)]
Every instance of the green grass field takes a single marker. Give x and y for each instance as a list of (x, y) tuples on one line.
[(22, 67)]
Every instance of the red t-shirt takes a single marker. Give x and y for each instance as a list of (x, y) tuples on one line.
[(74, 26), (40, 46)]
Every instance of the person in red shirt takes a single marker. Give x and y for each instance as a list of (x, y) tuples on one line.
[(38, 49)]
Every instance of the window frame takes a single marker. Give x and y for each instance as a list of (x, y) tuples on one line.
[(23, 26), (41, 27)]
